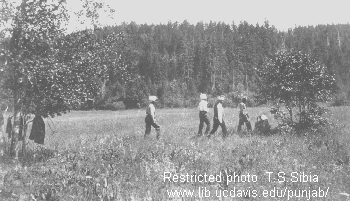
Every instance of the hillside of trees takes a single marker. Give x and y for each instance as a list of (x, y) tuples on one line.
[(177, 61)]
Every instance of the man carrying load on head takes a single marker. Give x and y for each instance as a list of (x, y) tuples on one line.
[(219, 117), (150, 119), (243, 115), (203, 116)]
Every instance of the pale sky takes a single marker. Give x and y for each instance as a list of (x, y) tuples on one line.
[(282, 14)]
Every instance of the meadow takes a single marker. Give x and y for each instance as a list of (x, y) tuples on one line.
[(102, 155)]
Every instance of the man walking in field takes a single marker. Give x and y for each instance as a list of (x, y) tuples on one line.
[(219, 117), (150, 119), (243, 115), (203, 116)]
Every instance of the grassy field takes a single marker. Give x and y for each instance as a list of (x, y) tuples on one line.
[(102, 155)]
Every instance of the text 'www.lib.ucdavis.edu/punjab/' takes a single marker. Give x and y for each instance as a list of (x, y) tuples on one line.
[(275, 192)]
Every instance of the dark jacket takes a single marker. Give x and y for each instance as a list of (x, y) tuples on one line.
[(20, 135), (38, 130), (216, 110), (9, 127), (1, 119)]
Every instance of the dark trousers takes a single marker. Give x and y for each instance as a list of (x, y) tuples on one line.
[(216, 126), (243, 119), (203, 118), (149, 122)]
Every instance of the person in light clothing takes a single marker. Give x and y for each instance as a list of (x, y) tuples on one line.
[(243, 115), (219, 117), (203, 116), (150, 119)]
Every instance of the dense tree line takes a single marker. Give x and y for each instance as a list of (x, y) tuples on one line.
[(176, 61)]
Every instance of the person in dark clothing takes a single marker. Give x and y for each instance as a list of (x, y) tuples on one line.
[(243, 115), (150, 119), (262, 124), (20, 131), (9, 126), (38, 130), (1, 119), (219, 117), (203, 116)]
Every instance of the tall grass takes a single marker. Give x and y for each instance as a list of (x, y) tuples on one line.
[(101, 155)]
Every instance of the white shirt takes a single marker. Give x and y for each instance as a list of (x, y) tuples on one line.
[(203, 106), (220, 112), (151, 110), (242, 107)]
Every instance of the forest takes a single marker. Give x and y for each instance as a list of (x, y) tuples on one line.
[(177, 61)]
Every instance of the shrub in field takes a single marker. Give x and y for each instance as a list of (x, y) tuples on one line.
[(312, 117), (119, 105), (285, 125), (298, 81)]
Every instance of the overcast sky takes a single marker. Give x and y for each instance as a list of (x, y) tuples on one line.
[(280, 13)]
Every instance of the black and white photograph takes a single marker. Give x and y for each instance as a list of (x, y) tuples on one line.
[(150, 100)]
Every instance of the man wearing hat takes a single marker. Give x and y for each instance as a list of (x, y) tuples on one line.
[(150, 119), (203, 116), (219, 117), (243, 115)]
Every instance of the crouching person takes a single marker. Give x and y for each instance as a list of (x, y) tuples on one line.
[(262, 124), (150, 119), (219, 117), (243, 116), (203, 116)]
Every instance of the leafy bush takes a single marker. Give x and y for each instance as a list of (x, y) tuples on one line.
[(284, 124), (312, 118), (115, 106), (299, 81)]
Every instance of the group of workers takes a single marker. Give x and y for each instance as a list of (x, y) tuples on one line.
[(218, 119)]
